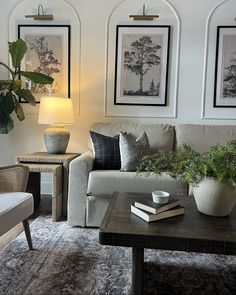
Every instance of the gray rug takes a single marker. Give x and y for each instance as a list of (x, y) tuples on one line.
[(71, 261)]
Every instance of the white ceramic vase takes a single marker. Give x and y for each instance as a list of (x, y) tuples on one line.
[(214, 198)]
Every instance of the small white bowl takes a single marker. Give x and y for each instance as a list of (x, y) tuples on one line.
[(160, 197)]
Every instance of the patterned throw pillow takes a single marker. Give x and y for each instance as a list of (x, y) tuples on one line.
[(106, 151), (132, 150)]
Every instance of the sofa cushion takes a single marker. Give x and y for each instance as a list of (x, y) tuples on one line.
[(132, 150), (159, 135), (109, 181), (201, 137), (106, 151)]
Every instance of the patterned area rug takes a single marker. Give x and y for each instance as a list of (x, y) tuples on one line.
[(71, 261)]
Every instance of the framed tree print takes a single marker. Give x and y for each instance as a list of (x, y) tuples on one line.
[(48, 53), (141, 69), (225, 67)]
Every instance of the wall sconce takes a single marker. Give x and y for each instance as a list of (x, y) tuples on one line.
[(40, 16), (57, 112), (143, 16)]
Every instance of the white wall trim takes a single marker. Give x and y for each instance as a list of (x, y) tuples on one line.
[(177, 55), (176, 83), (205, 60), (18, 4), (106, 54), (79, 56)]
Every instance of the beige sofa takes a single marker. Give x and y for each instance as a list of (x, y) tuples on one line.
[(90, 191)]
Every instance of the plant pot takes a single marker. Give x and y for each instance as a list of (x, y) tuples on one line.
[(214, 198)]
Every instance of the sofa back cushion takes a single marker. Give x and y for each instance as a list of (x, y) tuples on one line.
[(159, 135), (201, 137)]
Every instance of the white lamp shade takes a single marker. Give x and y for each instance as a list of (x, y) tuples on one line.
[(55, 110)]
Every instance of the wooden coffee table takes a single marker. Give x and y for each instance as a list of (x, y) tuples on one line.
[(192, 231)]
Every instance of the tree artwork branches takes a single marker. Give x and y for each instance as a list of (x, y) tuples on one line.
[(229, 89), (47, 62), (141, 58), (45, 57)]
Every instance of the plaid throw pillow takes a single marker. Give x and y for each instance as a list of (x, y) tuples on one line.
[(106, 151)]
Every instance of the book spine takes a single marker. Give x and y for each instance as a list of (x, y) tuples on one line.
[(145, 207), (167, 214), (139, 213)]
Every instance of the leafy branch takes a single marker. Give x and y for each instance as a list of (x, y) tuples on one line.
[(191, 166), (11, 89)]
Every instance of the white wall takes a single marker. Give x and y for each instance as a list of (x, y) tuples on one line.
[(89, 21)]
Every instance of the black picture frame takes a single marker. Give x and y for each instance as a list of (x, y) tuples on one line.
[(54, 42), (225, 68), (141, 80)]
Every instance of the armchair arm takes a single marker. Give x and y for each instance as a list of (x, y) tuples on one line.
[(13, 178), (78, 183)]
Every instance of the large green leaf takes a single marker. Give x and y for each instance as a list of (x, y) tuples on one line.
[(17, 50), (19, 111), (37, 77), (6, 107), (7, 103), (3, 117), (26, 95), (6, 84), (6, 123), (17, 84)]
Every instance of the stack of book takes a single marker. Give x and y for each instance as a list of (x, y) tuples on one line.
[(150, 211)]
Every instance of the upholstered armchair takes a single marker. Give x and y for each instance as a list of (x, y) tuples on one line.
[(15, 204)]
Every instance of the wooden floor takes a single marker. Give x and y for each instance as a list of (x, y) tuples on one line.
[(45, 208)]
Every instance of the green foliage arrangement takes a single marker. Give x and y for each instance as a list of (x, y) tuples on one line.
[(191, 166), (11, 89)]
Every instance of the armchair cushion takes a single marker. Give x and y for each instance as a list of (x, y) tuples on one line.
[(14, 207), (15, 204)]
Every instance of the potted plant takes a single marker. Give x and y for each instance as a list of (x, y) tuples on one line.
[(212, 175), (11, 89)]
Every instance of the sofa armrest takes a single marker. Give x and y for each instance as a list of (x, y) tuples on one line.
[(78, 183), (13, 178)]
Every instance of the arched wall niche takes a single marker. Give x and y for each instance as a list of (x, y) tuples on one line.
[(64, 14), (222, 14), (120, 16)]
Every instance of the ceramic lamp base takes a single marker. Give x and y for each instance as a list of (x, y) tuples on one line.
[(56, 139)]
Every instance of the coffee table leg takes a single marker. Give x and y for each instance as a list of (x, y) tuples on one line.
[(137, 270)]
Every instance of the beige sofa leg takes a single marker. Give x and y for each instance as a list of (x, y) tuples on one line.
[(27, 233)]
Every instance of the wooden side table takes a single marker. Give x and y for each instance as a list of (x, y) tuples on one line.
[(56, 171), (43, 162)]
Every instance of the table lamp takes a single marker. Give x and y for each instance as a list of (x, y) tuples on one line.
[(57, 112)]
